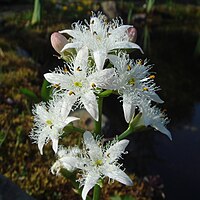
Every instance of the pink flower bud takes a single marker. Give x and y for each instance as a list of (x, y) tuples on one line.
[(132, 34), (58, 41)]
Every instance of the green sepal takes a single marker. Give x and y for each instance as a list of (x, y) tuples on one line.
[(46, 90)]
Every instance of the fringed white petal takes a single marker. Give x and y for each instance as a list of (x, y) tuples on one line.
[(99, 58), (81, 59), (90, 103), (115, 151), (74, 45), (129, 110), (126, 45), (117, 174), (90, 182), (55, 78)]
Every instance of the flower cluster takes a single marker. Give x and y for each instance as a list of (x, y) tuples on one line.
[(96, 63)]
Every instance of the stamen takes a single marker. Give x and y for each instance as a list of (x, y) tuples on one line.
[(139, 62), (93, 85), (65, 70), (129, 68), (145, 89), (56, 85), (71, 92), (152, 76), (79, 69)]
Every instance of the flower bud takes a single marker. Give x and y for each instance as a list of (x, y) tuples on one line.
[(58, 41), (132, 34)]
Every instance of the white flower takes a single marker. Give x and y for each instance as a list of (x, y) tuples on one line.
[(100, 37), (80, 83), (133, 80), (49, 122), (152, 116), (95, 162)]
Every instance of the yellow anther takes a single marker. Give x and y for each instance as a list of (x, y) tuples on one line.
[(131, 81), (93, 85), (56, 85), (129, 68), (71, 92), (152, 76), (139, 62), (145, 89), (78, 84), (79, 69), (65, 70)]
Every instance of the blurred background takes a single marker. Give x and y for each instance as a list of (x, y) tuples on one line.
[(169, 34)]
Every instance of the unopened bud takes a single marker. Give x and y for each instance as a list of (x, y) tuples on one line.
[(58, 41), (132, 34)]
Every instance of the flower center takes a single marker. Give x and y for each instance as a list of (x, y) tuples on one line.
[(78, 84), (49, 123), (131, 81), (98, 162)]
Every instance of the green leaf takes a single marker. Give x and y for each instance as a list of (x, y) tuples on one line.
[(29, 94), (2, 137), (116, 197), (46, 90), (128, 198)]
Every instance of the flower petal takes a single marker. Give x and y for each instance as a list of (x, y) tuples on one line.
[(155, 97), (90, 103), (99, 58), (115, 151), (95, 151), (55, 144), (74, 45), (55, 78), (90, 181), (72, 33), (103, 78), (70, 119), (41, 141), (81, 59), (129, 110), (117, 174), (160, 127), (126, 45)]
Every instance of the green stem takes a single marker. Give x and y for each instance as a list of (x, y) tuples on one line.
[(97, 130), (127, 132), (96, 192)]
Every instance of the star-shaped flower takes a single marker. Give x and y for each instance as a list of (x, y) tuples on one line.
[(94, 161), (100, 37), (132, 78), (49, 122), (81, 82)]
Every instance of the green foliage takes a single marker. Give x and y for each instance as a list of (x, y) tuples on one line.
[(36, 17), (2, 137), (29, 94), (45, 93), (45, 90), (149, 5), (126, 197)]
